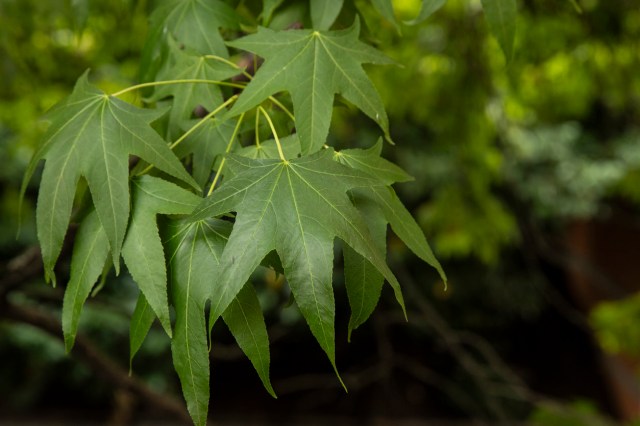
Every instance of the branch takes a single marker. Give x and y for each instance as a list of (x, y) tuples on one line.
[(103, 366)]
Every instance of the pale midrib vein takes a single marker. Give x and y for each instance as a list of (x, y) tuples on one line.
[(212, 205), (167, 200), (306, 251), (82, 273), (275, 76), (49, 140), (387, 271), (253, 337), (208, 243), (147, 262), (138, 323), (62, 172), (109, 183), (175, 172), (255, 228), (186, 325), (346, 75), (185, 230)]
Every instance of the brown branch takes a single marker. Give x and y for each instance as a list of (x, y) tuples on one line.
[(103, 366)]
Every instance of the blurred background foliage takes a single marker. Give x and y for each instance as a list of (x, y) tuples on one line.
[(508, 160)]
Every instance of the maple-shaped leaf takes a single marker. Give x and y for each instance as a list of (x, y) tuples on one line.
[(194, 251), (296, 207), (142, 249), (380, 206), (92, 135), (313, 66), (194, 24), (90, 252), (186, 97)]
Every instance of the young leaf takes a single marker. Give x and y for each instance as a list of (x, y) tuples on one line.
[(92, 135), (89, 255), (186, 97), (362, 280), (501, 17), (313, 66), (141, 322), (246, 323), (324, 13), (142, 249), (193, 250), (296, 207)]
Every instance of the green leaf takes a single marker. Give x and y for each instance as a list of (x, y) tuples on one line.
[(89, 255), (246, 323), (401, 220), (268, 149), (404, 225), (369, 161), (428, 8), (92, 135), (296, 207), (501, 17), (313, 66), (385, 8), (324, 13), (269, 6), (194, 24), (362, 280), (139, 327), (142, 249), (206, 143), (193, 251), (186, 97)]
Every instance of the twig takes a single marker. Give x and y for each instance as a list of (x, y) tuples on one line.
[(103, 366)]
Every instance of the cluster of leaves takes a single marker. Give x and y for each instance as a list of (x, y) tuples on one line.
[(228, 174)]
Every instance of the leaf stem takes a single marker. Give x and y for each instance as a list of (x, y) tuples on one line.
[(250, 77), (204, 120), (229, 145), (194, 128), (273, 130), (283, 108), (231, 64), (256, 127), (183, 81)]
